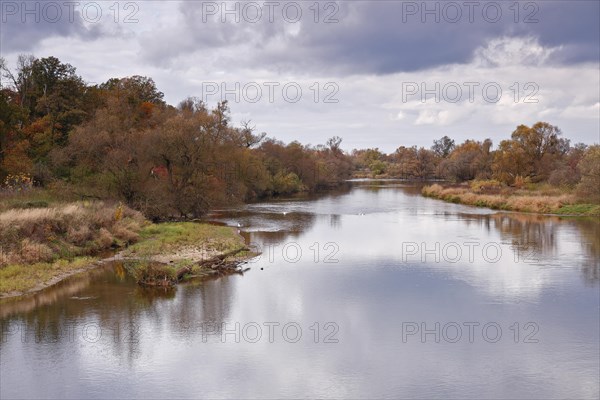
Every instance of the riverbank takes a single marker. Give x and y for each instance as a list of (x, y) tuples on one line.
[(39, 247), (508, 199), (171, 252)]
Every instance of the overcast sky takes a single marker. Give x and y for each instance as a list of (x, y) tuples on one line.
[(378, 73)]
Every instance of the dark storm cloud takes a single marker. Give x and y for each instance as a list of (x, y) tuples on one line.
[(573, 24), (376, 37), (388, 36), (24, 24), (387, 39)]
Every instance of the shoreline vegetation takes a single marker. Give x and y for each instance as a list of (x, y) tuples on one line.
[(173, 252), (43, 246), (495, 196)]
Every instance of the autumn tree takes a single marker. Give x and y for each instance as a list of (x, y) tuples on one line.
[(106, 153), (333, 165), (50, 96), (57, 93), (14, 158), (21, 80), (405, 162), (426, 164), (247, 136), (469, 160), (135, 90), (565, 171), (371, 160), (531, 151), (443, 147), (589, 167)]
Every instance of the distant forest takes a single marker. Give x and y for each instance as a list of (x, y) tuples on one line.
[(119, 140)]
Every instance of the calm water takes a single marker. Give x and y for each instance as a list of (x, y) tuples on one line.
[(343, 302)]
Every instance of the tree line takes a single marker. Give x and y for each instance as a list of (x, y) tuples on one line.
[(120, 139), (532, 155)]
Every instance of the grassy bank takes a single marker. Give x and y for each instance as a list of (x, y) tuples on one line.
[(183, 241), (540, 200), (170, 252), (40, 246), (16, 279)]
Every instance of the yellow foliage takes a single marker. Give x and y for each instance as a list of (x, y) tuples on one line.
[(18, 182), (119, 212)]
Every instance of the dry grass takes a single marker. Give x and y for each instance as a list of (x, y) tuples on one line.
[(65, 231), (521, 200), (56, 193)]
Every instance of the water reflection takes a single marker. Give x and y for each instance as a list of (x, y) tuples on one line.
[(335, 221), (539, 236), (151, 339)]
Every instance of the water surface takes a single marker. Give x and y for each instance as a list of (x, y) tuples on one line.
[(367, 292)]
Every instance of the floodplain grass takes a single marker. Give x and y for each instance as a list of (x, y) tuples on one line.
[(543, 199)]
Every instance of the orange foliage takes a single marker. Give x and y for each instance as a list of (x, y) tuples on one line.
[(15, 159), (146, 109)]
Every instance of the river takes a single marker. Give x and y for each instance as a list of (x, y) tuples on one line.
[(371, 291)]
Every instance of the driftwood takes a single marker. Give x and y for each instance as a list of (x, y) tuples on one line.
[(154, 275), (218, 264)]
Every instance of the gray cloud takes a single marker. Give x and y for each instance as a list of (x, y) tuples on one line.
[(372, 37), (23, 25), (380, 37)]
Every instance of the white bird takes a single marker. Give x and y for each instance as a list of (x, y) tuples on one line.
[(239, 225), (284, 213)]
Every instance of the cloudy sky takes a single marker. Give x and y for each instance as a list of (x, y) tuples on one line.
[(377, 73)]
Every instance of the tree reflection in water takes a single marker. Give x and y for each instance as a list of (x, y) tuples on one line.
[(537, 237)]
